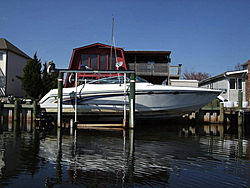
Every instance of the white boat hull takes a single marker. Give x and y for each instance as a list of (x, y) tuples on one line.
[(150, 100)]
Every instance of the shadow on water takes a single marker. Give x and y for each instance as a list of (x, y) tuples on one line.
[(18, 155), (155, 154)]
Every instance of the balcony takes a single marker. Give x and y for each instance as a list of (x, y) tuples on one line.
[(155, 69)]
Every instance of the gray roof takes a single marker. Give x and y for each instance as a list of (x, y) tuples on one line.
[(6, 45), (219, 76)]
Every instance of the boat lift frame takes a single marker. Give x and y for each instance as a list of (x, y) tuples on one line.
[(124, 72)]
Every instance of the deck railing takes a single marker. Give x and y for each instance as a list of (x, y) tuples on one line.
[(155, 69)]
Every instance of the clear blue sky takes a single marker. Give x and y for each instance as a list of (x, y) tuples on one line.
[(209, 36)]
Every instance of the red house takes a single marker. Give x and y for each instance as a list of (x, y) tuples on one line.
[(153, 66), (96, 57)]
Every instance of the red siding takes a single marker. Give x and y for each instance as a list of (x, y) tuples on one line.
[(94, 49)]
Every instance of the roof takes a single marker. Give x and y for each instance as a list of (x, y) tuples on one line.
[(96, 44), (149, 52), (125, 52), (236, 72), (225, 74), (6, 45)]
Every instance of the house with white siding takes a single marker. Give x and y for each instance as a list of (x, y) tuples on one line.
[(12, 62), (230, 82)]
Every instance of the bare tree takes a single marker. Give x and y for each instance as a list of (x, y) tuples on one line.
[(193, 75), (238, 67)]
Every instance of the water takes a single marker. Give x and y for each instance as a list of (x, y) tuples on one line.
[(158, 156)]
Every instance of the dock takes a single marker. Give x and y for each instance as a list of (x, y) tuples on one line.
[(221, 115), (24, 117)]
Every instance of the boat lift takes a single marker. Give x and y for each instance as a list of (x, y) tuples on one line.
[(124, 72)]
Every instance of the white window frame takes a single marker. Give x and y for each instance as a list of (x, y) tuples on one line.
[(236, 83)]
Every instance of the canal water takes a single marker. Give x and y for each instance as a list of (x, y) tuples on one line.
[(148, 156)]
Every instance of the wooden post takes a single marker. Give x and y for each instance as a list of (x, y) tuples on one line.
[(34, 116), (34, 110), (240, 117), (240, 112), (131, 157), (76, 99), (197, 116), (222, 114), (71, 127), (59, 100), (16, 118), (124, 100), (240, 99), (16, 110), (132, 101), (240, 131)]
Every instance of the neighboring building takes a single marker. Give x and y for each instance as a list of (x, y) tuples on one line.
[(247, 67), (12, 62), (151, 65), (230, 82)]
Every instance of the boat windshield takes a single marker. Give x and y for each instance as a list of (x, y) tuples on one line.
[(116, 80)]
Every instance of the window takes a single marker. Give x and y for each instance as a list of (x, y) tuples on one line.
[(1, 56), (232, 83), (113, 61), (235, 83), (85, 59), (211, 85), (93, 61), (239, 83), (103, 63), (96, 61)]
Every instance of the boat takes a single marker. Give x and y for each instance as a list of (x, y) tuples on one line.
[(110, 96)]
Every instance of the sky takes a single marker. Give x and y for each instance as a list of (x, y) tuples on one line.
[(210, 36)]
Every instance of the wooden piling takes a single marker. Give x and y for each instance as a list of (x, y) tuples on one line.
[(131, 156), (240, 131), (71, 127), (240, 99), (34, 116), (28, 120), (222, 114), (132, 101), (59, 100), (16, 128), (240, 117), (34, 110)]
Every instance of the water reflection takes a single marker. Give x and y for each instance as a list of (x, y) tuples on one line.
[(18, 154), (159, 156)]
